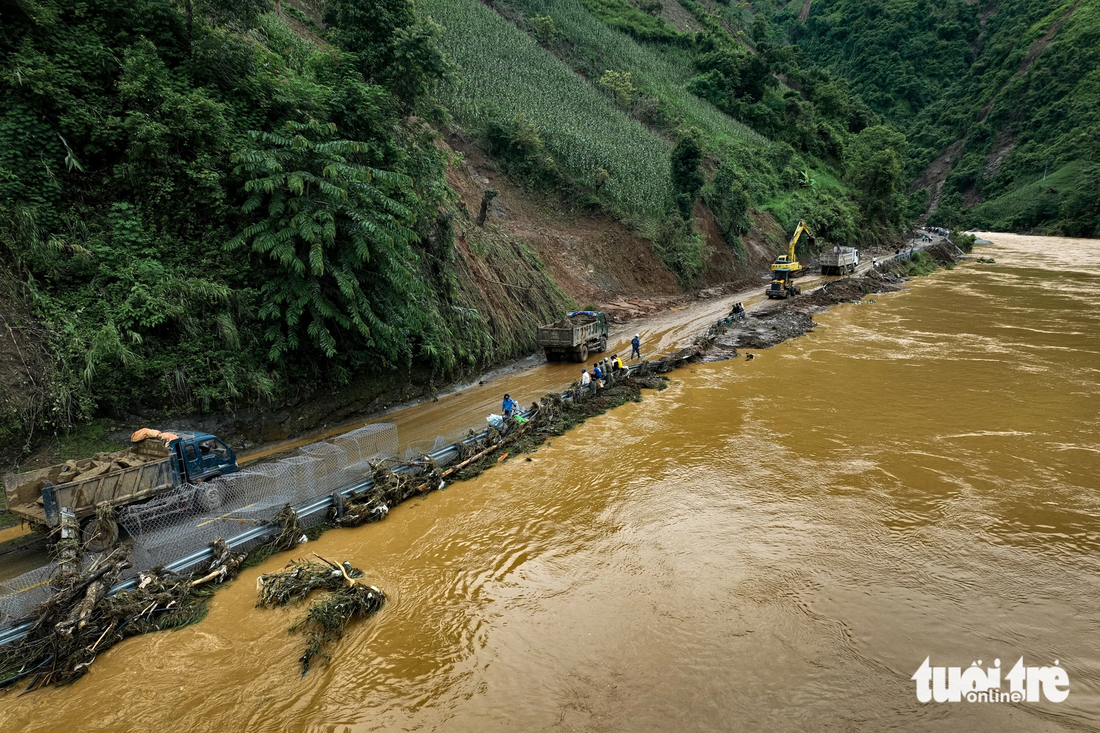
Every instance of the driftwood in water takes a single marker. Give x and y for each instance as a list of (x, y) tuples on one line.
[(81, 620), (323, 625)]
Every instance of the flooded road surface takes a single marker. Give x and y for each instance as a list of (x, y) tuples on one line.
[(767, 545), (455, 413)]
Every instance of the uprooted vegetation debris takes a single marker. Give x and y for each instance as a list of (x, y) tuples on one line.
[(82, 620), (347, 599)]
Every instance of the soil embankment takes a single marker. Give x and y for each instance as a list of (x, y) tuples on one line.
[(781, 320), (777, 321)]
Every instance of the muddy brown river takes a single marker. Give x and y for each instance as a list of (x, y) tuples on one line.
[(767, 545)]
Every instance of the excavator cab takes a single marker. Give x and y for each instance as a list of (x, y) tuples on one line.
[(787, 267)]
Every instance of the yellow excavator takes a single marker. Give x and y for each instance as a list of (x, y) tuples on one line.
[(786, 267)]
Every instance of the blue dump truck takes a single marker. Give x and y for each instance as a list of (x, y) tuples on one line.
[(95, 488)]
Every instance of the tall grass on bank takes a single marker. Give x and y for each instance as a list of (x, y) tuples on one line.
[(661, 70), (505, 74)]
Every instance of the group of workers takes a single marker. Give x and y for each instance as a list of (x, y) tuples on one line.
[(601, 371), (737, 313)]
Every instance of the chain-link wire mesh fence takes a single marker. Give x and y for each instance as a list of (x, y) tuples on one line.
[(20, 595), (416, 450), (189, 518), (329, 469), (184, 521)]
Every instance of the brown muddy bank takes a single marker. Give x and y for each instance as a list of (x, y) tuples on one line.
[(777, 321)]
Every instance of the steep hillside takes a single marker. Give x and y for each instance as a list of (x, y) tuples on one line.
[(639, 90), (239, 205), (999, 101), (217, 212)]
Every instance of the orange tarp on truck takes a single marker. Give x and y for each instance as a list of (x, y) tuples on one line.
[(146, 433)]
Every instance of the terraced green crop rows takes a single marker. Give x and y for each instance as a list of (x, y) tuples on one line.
[(505, 74), (666, 70)]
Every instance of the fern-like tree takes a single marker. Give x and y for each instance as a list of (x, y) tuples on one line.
[(338, 238)]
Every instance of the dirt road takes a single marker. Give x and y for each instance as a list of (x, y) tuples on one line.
[(452, 415)]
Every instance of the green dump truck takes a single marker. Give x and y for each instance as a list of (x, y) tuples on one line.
[(574, 337)]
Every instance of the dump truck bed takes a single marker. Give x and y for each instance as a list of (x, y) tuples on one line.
[(108, 478), (566, 337), (839, 261), (568, 332)]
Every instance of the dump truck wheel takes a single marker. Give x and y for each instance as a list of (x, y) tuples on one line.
[(209, 497), (99, 535), (581, 354)]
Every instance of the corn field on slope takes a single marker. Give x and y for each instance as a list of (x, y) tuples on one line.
[(505, 74), (663, 71)]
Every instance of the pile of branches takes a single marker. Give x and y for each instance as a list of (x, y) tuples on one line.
[(388, 490), (291, 534), (323, 625), (82, 621)]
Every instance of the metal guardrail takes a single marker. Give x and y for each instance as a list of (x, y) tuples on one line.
[(17, 632)]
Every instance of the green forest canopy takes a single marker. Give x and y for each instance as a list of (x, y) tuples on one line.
[(210, 201)]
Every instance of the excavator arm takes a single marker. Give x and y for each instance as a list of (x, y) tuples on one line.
[(794, 240), (789, 262)]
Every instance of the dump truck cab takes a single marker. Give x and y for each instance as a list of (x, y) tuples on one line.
[(201, 457)]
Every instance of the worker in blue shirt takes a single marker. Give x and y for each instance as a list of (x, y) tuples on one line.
[(635, 346), (509, 406)]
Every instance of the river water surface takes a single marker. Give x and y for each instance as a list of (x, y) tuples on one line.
[(767, 545)]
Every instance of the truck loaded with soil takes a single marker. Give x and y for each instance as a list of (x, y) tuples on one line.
[(96, 488), (574, 337)]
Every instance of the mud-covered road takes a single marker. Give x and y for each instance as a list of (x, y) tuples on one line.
[(465, 407)]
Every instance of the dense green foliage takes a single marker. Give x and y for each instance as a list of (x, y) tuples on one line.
[(217, 211), (1014, 86), (900, 55), (340, 241), (874, 161), (687, 171), (639, 23), (707, 82)]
